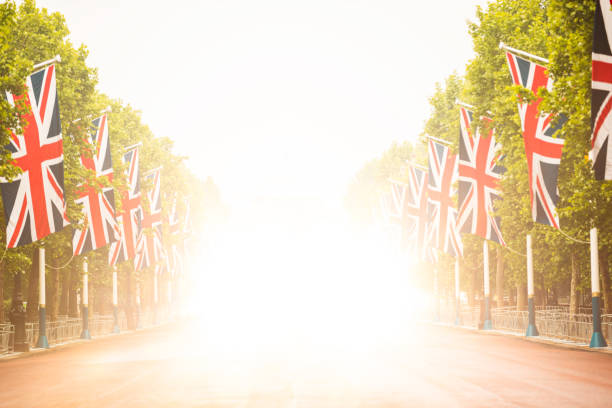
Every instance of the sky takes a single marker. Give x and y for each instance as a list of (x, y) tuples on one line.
[(275, 98)]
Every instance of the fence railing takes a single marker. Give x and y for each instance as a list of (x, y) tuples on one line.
[(69, 328), (551, 321), (7, 332)]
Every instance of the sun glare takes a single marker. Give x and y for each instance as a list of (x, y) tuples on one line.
[(270, 285)]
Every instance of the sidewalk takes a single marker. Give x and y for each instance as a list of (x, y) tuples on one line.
[(552, 341)]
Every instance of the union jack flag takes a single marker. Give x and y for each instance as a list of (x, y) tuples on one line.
[(34, 204), (542, 149), (601, 95), (443, 233), (130, 219), (175, 257), (479, 175), (98, 207), (415, 209), (150, 247)]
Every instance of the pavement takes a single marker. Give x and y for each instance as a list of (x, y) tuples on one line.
[(181, 365)]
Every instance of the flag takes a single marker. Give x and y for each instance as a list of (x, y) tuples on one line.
[(443, 233), (149, 248), (34, 205), (415, 210), (601, 95), (479, 175), (543, 151), (130, 218), (175, 255), (98, 207)]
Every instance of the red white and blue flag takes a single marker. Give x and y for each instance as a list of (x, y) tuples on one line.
[(98, 206), (34, 204), (415, 209), (542, 149), (601, 93), (130, 219), (479, 176), (150, 248), (443, 233)]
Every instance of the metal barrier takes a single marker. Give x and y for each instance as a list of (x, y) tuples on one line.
[(7, 332)]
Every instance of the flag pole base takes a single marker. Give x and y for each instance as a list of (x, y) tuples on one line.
[(532, 331), (85, 335), (42, 342), (115, 321), (598, 340), (487, 325)]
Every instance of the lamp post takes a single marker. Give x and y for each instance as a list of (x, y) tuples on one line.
[(85, 333), (18, 317), (597, 339), (42, 312), (532, 330)]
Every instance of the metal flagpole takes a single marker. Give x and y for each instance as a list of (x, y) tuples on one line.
[(457, 295), (115, 302), (138, 323), (85, 333), (57, 58), (42, 311), (155, 296), (597, 339), (523, 53), (487, 288), (532, 330), (436, 295), (439, 140)]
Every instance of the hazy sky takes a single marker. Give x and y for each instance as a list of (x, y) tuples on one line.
[(275, 97)]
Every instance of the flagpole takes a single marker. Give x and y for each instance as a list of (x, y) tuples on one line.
[(85, 333), (57, 58), (523, 53), (153, 170), (138, 322), (115, 302), (418, 166), (597, 339), (132, 146), (532, 330), (42, 310), (155, 296), (436, 295), (487, 287), (458, 321), (438, 140)]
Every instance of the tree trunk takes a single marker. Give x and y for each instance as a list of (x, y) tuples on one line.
[(64, 301), (73, 306), (499, 278), (53, 292), (2, 293), (32, 310), (521, 297), (604, 272), (575, 278)]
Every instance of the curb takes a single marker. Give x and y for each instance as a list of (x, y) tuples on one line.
[(57, 347), (567, 344)]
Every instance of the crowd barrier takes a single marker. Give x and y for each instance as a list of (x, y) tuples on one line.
[(65, 329), (551, 321)]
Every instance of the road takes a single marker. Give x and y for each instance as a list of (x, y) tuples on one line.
[(172, 366)]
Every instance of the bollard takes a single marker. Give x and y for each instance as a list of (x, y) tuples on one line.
[(597, 339)]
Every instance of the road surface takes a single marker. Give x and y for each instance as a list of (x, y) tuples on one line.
[(172, 366)]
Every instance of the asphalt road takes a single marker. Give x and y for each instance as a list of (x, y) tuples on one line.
[(173, 366)]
